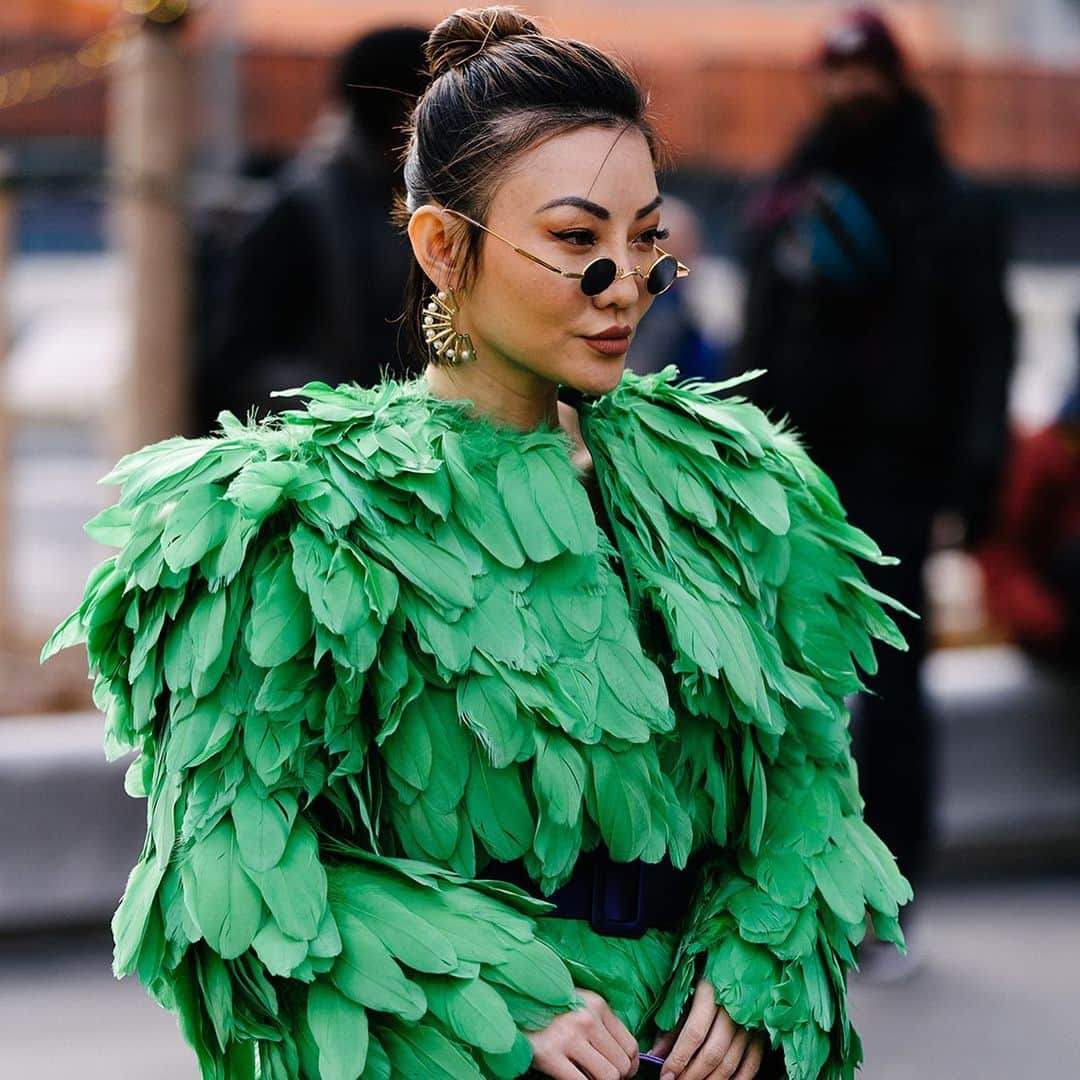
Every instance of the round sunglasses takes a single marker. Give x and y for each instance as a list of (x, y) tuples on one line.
[(602, 273)]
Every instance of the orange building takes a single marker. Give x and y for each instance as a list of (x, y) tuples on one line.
[(55, 17), (730, 80)]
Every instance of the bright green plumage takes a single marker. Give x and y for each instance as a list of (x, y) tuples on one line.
[(373, 646)]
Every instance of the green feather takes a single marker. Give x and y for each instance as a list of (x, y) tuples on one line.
[(535, 971), (839, 881), (440, 574), (559, 777), (200, 729), (216, 994), (759, 799), (498, 810), (270, 740), (760, 918), (784, 876), (619, 796), (474, 1012), (428, 832), (263, 823), (197, 524), (763, 497), (514, 1063), (223, 900), (366, 973), (424, 1051), (530, 519), (340, 1029), (488, 708), (132, 916), (262, 486), (410, 938), (564, 502), (334, 580), (295, 887), (280, 622), (280, 954)]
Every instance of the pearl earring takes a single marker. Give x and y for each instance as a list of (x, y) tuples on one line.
[(446, 343)]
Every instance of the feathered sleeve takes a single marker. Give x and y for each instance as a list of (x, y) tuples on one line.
[(739, 544), (239, 644)]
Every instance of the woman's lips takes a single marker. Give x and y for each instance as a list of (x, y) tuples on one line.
[(608, 346), (612, 342)]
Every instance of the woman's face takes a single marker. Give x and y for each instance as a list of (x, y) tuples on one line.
[(573, 198)]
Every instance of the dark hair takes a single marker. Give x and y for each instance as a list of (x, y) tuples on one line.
[(378, 78), (500, 86)]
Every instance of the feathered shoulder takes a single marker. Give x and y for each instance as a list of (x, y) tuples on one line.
[(380, 621)]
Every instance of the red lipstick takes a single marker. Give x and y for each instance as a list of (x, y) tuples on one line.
[(613, 341)]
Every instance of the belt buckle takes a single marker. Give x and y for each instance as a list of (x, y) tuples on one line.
[(605, 875)]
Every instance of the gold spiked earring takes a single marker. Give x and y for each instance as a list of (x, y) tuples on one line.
[(446, 343)]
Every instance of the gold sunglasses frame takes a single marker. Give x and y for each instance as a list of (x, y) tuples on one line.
[(681, 270)]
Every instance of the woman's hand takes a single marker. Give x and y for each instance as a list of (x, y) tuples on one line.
[(590, 1042), (709, 1045)]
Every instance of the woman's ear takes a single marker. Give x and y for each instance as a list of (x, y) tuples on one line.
[(433, 244)]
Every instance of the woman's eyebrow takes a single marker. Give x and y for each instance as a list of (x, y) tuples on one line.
[(596, 209), (582, 204), (646, 210)]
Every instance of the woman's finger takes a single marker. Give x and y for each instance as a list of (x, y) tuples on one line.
[(662, 1044), (751, 1063), (711, 1053), (606, 1043), (596, 1064), (561, 1068), (694, 1031), (730, 1062), (618, 1030)]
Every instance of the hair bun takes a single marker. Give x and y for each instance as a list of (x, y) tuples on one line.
[(470, 31)]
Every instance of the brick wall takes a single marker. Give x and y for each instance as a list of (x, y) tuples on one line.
[(75, 110), (998, 118)]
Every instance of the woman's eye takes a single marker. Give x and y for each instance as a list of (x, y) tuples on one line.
[(577, 237), (651, 237)]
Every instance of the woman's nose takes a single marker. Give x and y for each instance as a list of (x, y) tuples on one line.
[(623, 292)]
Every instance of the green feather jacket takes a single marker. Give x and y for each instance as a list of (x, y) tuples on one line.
[(369, 648)]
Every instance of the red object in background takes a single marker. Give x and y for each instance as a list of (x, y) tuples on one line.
[(862, 35), (1039, 514)]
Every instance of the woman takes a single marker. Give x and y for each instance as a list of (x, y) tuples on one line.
[(394, 677)]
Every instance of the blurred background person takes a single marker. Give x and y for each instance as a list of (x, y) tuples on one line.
[(875, 303), (1031, 558), (673, 332), (315, 286)]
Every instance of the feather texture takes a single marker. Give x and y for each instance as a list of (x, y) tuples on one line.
[(376, 644)]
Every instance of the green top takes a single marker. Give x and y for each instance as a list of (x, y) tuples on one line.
[(369, 647)]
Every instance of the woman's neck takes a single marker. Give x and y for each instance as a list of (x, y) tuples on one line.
[(516, 408), (524, 403)]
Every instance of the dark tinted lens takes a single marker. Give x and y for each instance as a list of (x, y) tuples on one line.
[(662, 274), (599, 274)]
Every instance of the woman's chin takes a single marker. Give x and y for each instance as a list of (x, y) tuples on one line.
[(596, 379)]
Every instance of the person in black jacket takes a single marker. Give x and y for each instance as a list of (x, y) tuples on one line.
[(876, 305), (316, 285)]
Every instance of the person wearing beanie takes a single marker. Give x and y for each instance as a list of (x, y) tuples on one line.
[(876, 306)]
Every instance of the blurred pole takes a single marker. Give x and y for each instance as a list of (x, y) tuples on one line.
[(220, 118), (7, 420), (148, 145)]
